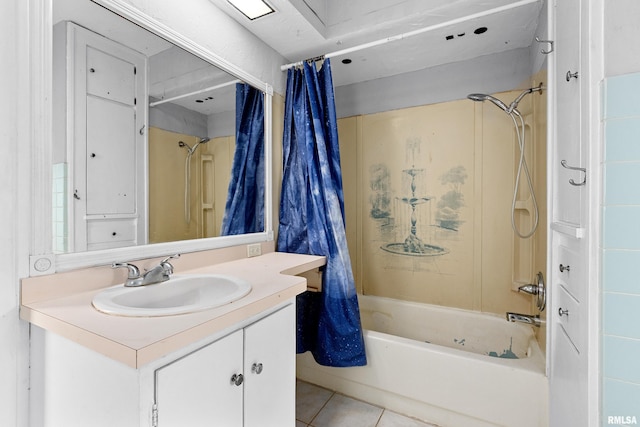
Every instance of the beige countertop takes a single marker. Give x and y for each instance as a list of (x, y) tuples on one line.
[(136, 341)]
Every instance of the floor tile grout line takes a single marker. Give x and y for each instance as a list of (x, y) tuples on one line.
[(333, 393)]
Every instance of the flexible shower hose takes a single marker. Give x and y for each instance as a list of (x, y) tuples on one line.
[(522, 165)]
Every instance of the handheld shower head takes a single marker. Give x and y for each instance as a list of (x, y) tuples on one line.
[(512, 108), (481, 97), (204, 140)]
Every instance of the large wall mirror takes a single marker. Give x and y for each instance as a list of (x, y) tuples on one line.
[(154, 178)]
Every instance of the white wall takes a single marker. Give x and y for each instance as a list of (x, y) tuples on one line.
[(620, 248), (487, 74), (14, 240), (621, 34)]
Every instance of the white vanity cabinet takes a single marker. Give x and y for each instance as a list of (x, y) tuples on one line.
[(75, 386), (245, 379)]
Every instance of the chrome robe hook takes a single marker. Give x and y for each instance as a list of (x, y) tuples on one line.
[(549, 42), (573, 168)]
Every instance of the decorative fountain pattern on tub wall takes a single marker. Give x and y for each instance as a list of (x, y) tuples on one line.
[(419, 237), (418, 205)]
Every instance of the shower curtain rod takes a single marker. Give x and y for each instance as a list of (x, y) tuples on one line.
[(207, 89), (411, 33)]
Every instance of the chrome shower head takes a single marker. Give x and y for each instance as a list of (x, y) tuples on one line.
[(481, 97), (190, 149)]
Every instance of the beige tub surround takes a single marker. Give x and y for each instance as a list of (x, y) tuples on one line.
[(62, 303)]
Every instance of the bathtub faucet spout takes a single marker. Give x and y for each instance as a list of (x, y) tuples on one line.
[(524, 318)]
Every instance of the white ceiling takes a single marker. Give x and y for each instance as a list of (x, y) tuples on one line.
[(302, 29), (172, 71)]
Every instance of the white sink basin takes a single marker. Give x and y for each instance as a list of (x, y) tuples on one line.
[(179, 295)]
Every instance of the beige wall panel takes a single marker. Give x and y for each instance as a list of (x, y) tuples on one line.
[(540, 161), (463, 157), (166, 187), (434, 146), (499, 160), (222, 150), (348, 138), (276, 135)]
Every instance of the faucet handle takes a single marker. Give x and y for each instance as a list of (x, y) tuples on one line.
[(169, 257), (134, 272), (166, 265), (529, 289)]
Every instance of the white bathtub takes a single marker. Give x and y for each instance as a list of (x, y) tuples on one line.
[(433, 363)]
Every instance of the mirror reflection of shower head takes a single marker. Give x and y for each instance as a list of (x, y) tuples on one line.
[(190, 149), (481, 97)]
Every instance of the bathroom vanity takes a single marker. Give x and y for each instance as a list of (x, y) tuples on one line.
[(233, 365)]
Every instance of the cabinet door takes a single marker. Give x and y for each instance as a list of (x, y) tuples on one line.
[(111, 157), (570, 242), (106, 100), (197, 390), (569, 384), (568, 198), (269, 367)]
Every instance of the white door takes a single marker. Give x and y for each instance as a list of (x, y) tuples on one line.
[(568, 264), (270, 370), (198, 390)]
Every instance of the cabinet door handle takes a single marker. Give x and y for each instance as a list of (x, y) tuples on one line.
[(571, 75), (564, 268), (562, 312), (256, 368), (237, 379)]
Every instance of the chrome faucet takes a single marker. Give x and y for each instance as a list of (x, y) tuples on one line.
[(537, 289), (160, 273), (524, 318)]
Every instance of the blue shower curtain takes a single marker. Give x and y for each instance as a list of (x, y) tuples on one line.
[(244, 211), (312, 218)]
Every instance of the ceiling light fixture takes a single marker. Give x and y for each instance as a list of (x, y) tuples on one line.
[(252, 9)]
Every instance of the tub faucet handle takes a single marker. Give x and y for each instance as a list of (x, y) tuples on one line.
[(529, 289), (537, 289)]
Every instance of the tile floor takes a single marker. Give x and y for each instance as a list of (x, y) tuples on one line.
[(319, 407)]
